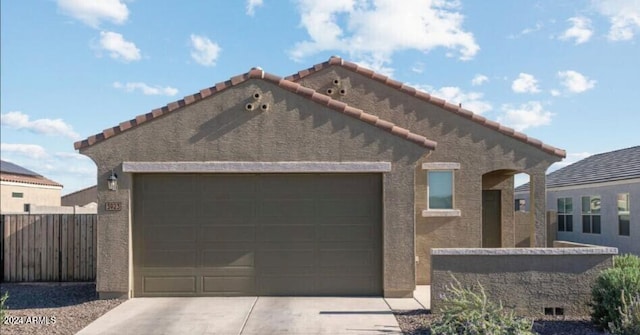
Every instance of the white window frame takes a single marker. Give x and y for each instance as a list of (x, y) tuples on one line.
[(565, 214), (442, 166), (590, 214), (622, 213)]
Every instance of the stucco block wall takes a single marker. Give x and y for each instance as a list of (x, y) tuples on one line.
[(220, 129), (609, 216), (525, 280), (478, 149), (32, 194)]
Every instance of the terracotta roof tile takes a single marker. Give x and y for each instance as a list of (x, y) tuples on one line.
[(428, 98), (258, 74), (24, 179)]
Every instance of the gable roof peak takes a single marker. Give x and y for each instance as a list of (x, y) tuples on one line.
[(258, 73), (428, 98)]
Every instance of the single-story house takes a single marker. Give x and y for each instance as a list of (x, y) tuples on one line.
[(20, 188), (596, 200), (84, 197), (334, 181)]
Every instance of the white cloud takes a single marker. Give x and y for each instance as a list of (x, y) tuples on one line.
[(204, 51), (580, 30), (252, 5), (418, 68), (53, 127), (479, 79), (28, 150), (373, 30), (555, 93), (527, 31), (624, 16), (146, 89), (576, 82), (93, 12), (527, 115), (472, 101), (525, 83), (118, 47)]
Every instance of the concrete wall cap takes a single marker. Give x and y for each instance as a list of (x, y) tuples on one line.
[(522, 251)]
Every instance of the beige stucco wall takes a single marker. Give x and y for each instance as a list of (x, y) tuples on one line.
[(220, 129), (479, 150), (524, 280), (81, 197), (32, 194)]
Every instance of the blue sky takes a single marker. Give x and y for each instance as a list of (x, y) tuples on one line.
[(561, 71)]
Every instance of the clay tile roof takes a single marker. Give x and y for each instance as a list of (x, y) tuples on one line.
[(17, 174), (259, 74), (453, 108)]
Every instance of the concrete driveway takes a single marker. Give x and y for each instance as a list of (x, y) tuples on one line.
[(248, 315)]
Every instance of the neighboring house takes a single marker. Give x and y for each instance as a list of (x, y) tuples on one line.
[(84, 197), (21, 188), (334, 181), (596, 200)]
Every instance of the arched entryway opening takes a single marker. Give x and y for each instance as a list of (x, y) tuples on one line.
[(499, 228)]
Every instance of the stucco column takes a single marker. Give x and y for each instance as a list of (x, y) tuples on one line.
[(537, 200)]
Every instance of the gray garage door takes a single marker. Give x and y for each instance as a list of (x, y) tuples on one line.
[(248, 234)]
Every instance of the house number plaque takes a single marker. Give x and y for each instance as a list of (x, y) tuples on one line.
[(113, 206)]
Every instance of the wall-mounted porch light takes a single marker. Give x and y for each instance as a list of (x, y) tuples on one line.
[(112, 181)]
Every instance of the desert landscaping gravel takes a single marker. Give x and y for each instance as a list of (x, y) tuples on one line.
[(417, 323), (51, 308), (33, 307)]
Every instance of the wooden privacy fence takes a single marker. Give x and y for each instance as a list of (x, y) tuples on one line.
[(48, 247)]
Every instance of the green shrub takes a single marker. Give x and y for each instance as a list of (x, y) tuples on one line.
[(468, 312), (623, 280), (2, 300), (629, 322), (626, 261)]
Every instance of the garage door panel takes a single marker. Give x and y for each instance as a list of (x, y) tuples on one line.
[(226, 258), (346, 285), (158, 236), (345, 208), (289, 186), (285, 258), (286, 285), (170, 284), (345, 221), (302, 208), (336, 185), (170, 257), (232, 285), (226, 208), (346, 233), (167, 210), (170, 184), (346, 257), (287, 233), (228, 186), (228, 233)]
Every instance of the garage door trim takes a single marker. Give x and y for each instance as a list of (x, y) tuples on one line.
[(255, 167)]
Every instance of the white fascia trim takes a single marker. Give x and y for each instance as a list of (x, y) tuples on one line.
[(28, 185), (441, 166), (255, 167)]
